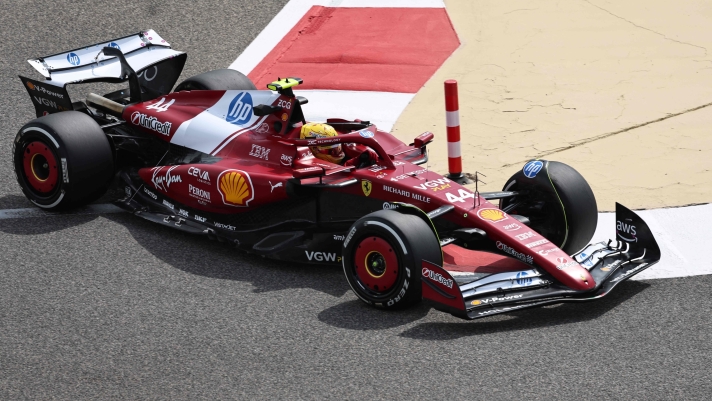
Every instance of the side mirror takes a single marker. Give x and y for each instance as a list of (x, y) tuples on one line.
[(308, 172), (264, 110), (423, 139)]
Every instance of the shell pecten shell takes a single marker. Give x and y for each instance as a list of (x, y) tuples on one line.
[(492, 214), (234, 187)]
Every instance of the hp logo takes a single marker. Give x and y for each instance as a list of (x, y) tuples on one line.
[(240, 109), (114, 45), (532, 168), (522, 278), (73, 58)]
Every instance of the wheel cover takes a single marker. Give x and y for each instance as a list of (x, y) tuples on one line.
[(376, 264), (40, 167)]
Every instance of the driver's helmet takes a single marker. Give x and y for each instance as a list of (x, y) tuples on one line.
[(330, 153)]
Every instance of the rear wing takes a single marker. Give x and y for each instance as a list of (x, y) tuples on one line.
[(156, 64)]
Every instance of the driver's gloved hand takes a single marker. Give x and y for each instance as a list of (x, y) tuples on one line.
[(366, 158)]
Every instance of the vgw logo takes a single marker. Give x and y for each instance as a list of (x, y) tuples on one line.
[(73, 59), (323, 256), (240, 109)]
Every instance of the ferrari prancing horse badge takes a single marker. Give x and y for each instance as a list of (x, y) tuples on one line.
[(366, 186)]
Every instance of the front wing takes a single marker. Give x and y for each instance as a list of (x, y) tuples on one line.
[(482, 295)]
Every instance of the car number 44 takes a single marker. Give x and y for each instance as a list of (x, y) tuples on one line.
[(159, 106), (463, 195)]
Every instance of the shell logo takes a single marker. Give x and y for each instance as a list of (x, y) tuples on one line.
[(475, 302), (30, 85), (236, 188), (493, 215)]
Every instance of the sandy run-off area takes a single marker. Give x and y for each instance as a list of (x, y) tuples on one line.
[(621, 91)]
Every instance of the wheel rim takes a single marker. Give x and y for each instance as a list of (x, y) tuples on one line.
[(376, 265), (40, 167)]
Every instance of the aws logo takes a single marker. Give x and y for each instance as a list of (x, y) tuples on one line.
[(628, 231), (236, 188)]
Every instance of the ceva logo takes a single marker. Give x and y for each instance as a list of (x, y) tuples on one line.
[(73, 59), (240, 109)]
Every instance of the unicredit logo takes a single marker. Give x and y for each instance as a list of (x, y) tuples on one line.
[(150, 122), (437, 277)]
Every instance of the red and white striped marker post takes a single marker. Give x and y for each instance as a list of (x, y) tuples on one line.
[(452, 111)]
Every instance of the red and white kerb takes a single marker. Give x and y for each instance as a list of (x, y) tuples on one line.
[(452, 111)]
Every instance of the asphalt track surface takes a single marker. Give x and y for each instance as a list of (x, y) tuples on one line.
[(112, 307)]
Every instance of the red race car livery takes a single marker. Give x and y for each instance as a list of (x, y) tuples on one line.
[(218, 158)]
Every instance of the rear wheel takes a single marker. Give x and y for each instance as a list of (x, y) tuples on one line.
[(382, 258), (62, 160), (225, 79), (557, 200)]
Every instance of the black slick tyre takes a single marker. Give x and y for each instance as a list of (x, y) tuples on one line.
[(62, 160), (382, 258), (225, 79), (558, 202)]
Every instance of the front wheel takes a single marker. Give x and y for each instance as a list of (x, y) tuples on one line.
[(558, 202), (382, 258)]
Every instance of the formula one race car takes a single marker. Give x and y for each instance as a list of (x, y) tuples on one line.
[(218, 158)]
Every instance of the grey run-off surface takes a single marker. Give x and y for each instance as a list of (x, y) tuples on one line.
[(112, 307)]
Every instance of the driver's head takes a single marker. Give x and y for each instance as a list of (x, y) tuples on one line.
[(330, 153)]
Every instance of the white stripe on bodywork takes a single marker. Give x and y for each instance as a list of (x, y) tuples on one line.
[(238, 133), (207, 131)]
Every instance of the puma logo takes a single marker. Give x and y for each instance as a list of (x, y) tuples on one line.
[(277, 185)]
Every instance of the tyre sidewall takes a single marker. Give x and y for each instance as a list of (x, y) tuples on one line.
[(83, 152), (576, 201), (404, 231)]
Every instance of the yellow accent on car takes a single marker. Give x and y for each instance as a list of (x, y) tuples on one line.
[(285, 83)]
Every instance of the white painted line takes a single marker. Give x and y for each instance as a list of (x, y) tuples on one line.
[(682, 233), (280, 25), (293, 11), (380, 108), (683, 246), (388, 3), (36, 212)]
